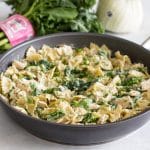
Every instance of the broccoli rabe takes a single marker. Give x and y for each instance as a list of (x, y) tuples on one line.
[(89, 118), (55, 115)]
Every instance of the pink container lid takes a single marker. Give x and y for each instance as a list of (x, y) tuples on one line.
[(17, 29)]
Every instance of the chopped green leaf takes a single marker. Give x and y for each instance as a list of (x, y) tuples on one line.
[(143, 69), (102, 53), (50, 90), (44, 64), (30, 100), (77, 85), (76, 72), (78, 49), (82, 103), (86, 61), (90, 118), (131, 81), (55, 115), (35, 91)]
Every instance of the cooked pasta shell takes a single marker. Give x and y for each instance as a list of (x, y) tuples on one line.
[(52, 54), (145, 85), (124, 102), (31, 51), (106, 64), (19, 65), (65, 50), (11, 71), (42, 104), (134, 93), (103, 118), (97, 71), (93, 106), (136, 73), (34, 57), (6, 84)]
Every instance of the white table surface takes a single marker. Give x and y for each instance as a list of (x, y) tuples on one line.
[(13, 137)]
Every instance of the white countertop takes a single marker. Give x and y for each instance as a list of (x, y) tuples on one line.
[(13, 137)]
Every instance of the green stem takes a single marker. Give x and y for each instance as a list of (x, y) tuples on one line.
[(2, 50), (4, 41), (7, 46), (2, 34), (31, 9)]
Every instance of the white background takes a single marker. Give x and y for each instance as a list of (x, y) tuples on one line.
[(13, 137)]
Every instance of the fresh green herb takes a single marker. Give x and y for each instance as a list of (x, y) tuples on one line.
[(35, 91), (101, 102), (84, 3), (32, 63), (50, 90), (110, 103), (30, 100), (143, 69), (132, 104), (135, 99), (131, 81), (111, 74), (123, 92), (27, 77), (103, 53), (67, 71), (114, 106), (49, 16), (76, 73), (79, 73), (64, 61), (55, 115), (57, 73), (86, 61), (44, 64), (78, 49), (89, 118), (78, 85), (39, 112), (82, 103), (86, 22)]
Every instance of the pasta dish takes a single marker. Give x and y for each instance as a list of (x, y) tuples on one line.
[(76, 85)]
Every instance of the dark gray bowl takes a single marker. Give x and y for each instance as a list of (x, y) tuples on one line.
[(75, 134)]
